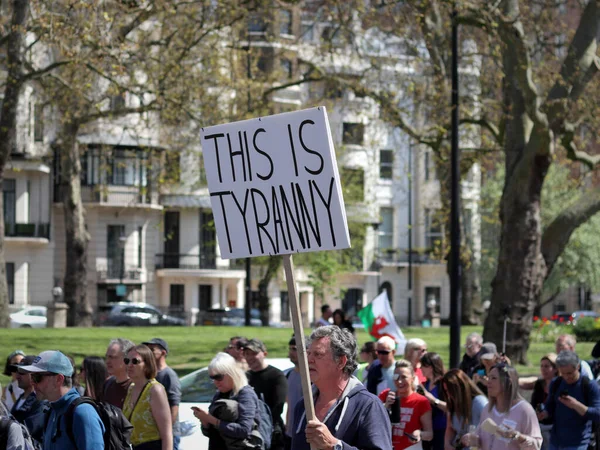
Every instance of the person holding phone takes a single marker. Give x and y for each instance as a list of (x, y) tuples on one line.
[(410, 412), (573, 403), (231, 384)]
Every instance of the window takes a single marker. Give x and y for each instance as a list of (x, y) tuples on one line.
[(333, 90), (285, 306), (204, 297), (307, 32), (429, 167), (353, 133), (352, 302), (125, 167), (433, 294), (353, 184), (285, 22), (9, 196), (433, 229), (140, 246), (10, 282), (256, 24), (263, 64), (333, 35), (38, 123), (117, 102), (287, 69), (115, 250), (172, 167), (386, 229), (177, 298), (386, 164)]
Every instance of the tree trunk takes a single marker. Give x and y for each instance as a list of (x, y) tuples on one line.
[(263, 288), (77, 237), (8, 126)]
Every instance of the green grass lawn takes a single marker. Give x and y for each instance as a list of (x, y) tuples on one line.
[(194, 347)]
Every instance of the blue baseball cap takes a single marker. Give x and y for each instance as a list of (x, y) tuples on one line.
[(51, 361)]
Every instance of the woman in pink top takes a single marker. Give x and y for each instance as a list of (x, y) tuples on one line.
[(518, 427)]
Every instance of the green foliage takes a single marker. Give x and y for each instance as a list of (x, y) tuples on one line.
[(576, 266), (587, 329), (545, 330)]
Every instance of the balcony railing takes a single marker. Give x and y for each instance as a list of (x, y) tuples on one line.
[(116, 272), (112, 195), (401, 256), (27, 230), (186, 261)]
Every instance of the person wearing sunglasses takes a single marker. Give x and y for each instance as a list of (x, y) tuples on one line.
[(413, 426), (28, 409), (381, 372), (227, 427), (51, 373), (146, 405), (415, 348), (12, 391)]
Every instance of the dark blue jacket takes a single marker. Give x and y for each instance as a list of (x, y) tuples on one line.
[(358, 419), (31, 414), (374, 377), (570, 429)]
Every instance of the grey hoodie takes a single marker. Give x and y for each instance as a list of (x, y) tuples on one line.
[(358, 419)]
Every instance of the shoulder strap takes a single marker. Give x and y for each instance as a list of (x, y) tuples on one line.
[(585, 387), (71, 411), (148, 383)]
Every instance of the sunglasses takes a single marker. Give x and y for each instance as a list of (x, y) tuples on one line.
[(396, 376), (133, 361), (421, 350), (217, 377), (38, 377), (383, 352)]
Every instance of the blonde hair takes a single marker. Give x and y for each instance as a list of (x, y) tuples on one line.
[(404, 364), (226, 364)]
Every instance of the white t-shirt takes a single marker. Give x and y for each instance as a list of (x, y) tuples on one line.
[(322, 323)]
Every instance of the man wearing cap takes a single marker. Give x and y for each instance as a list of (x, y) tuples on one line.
[(28, 409), (488, 357), (115, 388), (270, 384), (51, 372), (169, 379)]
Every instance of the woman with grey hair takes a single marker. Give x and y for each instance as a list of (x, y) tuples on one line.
[(517, 423), (233, 411)]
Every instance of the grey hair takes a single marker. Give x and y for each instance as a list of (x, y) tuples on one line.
[(226, 364), (478, 338), (567, 358), (124, 344), (341, 342)]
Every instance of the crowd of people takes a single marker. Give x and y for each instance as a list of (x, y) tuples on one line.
[(367, 398)]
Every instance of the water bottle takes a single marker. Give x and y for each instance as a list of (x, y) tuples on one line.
[(473, 437)]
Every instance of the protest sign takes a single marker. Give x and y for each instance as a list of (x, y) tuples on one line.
[(274, 185)]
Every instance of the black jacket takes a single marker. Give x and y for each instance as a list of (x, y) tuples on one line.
[(31, 414)]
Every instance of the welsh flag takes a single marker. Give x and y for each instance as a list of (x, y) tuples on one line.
[(379, 319)]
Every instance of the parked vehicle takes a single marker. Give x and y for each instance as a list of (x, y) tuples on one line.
[(197, 390), (134, 314), (29, 317), (580, 314), (234, 317)]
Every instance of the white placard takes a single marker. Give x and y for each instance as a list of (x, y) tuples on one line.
[(274, 185)]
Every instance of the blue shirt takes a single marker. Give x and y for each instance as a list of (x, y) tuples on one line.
[(573, 430), (88, 429)]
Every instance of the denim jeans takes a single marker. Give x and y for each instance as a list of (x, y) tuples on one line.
[(573, 447), (176, 440)]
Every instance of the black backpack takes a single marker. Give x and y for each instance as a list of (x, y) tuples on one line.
[(118, 429), (585, 387)]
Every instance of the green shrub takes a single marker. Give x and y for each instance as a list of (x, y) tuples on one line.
[(587, 329), (545, 330)]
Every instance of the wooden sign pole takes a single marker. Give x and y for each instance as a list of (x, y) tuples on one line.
[(309, 407)]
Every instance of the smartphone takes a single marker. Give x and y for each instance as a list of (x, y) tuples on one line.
[(411, 437), (481, 372), (420, 389), (540, 407), (564, 393)]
